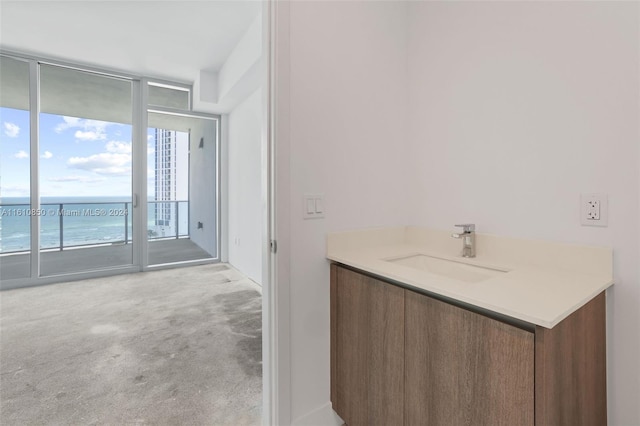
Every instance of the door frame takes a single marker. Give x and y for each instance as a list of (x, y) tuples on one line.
[(276, 354), (143, 195)]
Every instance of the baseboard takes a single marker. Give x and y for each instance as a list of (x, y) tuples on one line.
[(321, 416)]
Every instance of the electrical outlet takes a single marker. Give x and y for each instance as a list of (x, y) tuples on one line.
[(594, 210)]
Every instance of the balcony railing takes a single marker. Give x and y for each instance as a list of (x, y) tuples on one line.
[(85, 224)]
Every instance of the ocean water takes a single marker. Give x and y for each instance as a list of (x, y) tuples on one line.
[(85, 220)]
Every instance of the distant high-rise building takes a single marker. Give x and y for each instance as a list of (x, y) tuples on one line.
[(171, 177), (165, 172)]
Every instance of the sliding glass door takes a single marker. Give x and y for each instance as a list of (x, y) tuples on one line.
[(101, 172), (85, 171), (66, 190)]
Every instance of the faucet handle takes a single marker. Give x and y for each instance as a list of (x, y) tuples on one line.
[(467, 227)]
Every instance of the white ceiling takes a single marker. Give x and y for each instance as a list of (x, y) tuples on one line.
[(171, 40)]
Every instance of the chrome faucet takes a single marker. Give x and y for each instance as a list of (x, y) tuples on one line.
[(468, 236)]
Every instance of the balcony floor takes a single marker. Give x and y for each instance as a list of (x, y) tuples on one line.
[(91, 258)]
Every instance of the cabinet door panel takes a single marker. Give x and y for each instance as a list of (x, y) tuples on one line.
[(571, 368), (462, 368), (368, 320)]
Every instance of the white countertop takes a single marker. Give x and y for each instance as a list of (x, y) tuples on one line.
[(545, 282)]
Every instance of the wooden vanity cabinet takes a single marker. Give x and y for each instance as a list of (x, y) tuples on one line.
[(462, 368), (369, 344), (399, 357)]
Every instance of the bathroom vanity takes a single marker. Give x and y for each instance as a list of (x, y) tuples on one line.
[(421, 336)]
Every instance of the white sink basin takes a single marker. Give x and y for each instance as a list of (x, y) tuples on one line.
[(447, 268)]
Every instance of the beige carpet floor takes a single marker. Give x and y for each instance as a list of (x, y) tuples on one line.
[(172, 347)]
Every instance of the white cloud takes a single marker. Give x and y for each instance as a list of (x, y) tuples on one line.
[(11, 130), (15, 190), (90, 135), (88, 130), (115, 161), (82, 179), (105, 163), (47, 155), (150, 149), (118, 147), (21, 154), (80, 123), (67, 123)]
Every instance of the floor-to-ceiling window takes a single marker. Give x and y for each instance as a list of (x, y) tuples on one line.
[(73, 174), (15, 168), (183, 199), (85, 171)]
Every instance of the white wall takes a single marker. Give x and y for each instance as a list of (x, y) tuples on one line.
[(245, 186), (245, 55), (240, 76), (202, 185), (430, 113), (347, 131), (514, 110)]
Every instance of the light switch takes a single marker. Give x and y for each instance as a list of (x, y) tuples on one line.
[(313, 206)]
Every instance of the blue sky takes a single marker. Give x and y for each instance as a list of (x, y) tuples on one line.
[(78, 157)]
